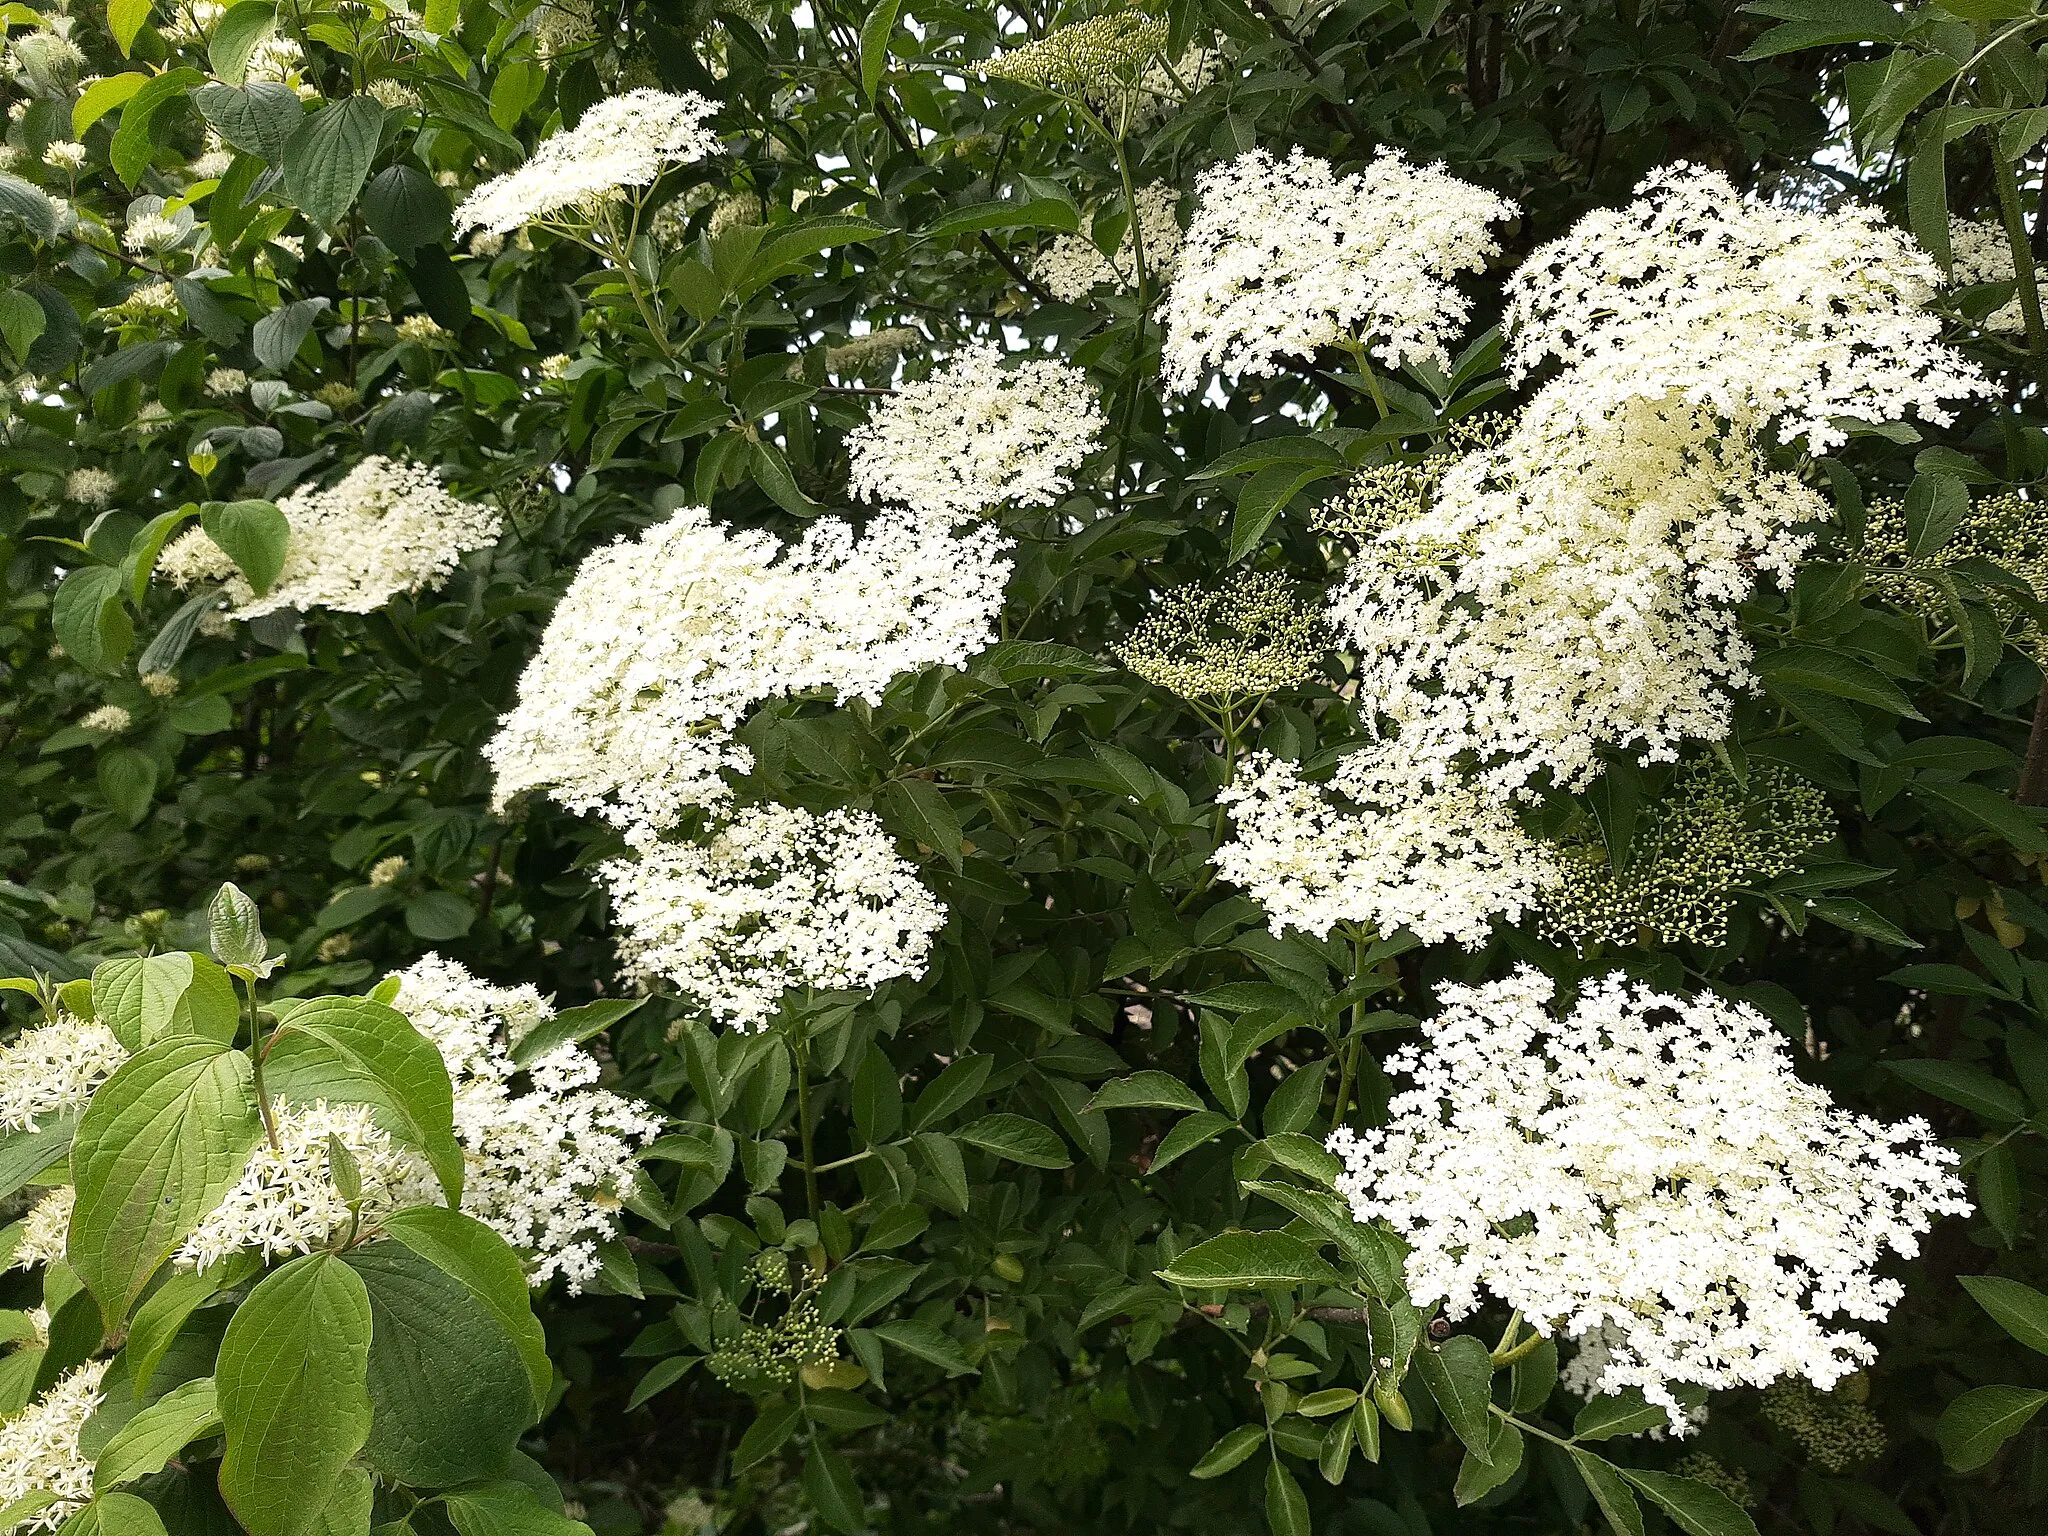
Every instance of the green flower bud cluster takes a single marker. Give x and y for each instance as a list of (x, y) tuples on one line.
[(1709, 836), (1088, 56), (771, 1271), (767, 1357), (1835, 1431), (2008, 531), (1250, 636), (1732, 1482)]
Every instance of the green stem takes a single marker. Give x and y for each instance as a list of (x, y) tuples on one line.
[(2023, 265), (256, 1066), (803, 1115)]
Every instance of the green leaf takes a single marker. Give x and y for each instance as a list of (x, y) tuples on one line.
[(1978, 806), (1622, 1413), (162, 1315), (125, 18), (160, 1144), (1604, 1481), (1477, 1476), (1261, 499), (449, 1385), (439, 915), (1831, 672), (349, 1050), (507, 1509), (102, 97), (1286, 1504), (1018, 1139), (874, 44), (2019, 1309), (349, 1505), (278, 336), (1146, 1090), (127, 779), (1052, 213), (146, 1442), (137, 996), (21, 321), (1230, 1452), (253, 534), (1459, 1375), (258, 119), (24, 1154), (236, 36), (1883, 92), (1250, 1261), (1694, 1507), (1188, 1133), (134, 140), (113, 1514), (1973, 1427), (91, 622), (1377, 1259), (1960, 1083), (293, 1377), (828, 1484), (573, 1026), (472, 1253), (926, 1343), (406, 209), (919, 809), (1815, 23), (329, 155), (955, 1086)]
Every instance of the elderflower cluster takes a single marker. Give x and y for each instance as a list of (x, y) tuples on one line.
[(1650, 1162), (1249, 637), (977, 435), (1587, 599), (39, 1453), (1073, 264), (1710, 836), (626, 141), (547, 1166), (91, 486), (288, 1200), (1983, 255), (1088, 56), (1754, 312), (872, 352), (111, 718), (44, 1230), (777, 898), (1383, 845), (2008, 530), (53, 1069), (663, 642), (386, 527), (1285, 257)]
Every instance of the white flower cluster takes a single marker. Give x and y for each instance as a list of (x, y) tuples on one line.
[(39, 1449), (663, 642), (1285, 256), (1585, 595), (1652, 1163), (45, 1229), (1072, 265), (53, 1069), (111, 718), (385, 527), (778, 898), (90, 486), (977, 435), (626, 141), (546, 1167), (1983, 254), (1758, 313), (287, 1201), (1440, 858)]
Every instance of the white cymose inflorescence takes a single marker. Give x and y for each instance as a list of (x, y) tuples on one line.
[(111, 718), (1285, 257), (977, 435), (1757, 313), (1574, 593), (1073, 264), (39, 1449), (53, 1069), (663, 642), (777, 898), (90, 486), (1438, 857), (1652, 1163), (1983, 254), (548, 1166), (286, 1200), (624, 142), (45, 1229)]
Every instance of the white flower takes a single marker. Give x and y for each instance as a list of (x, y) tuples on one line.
[(192, 559), (385, 527), (39, 1448), (160, 685), (1285, 257), (1983, 254), (53, 1069), (422, 328), (1072, 265), (389, 870), (778, 898), (395, 93), (64, 155), (286, 1200), (1566, 594), (91, 486), (44, 1229), (111, 718), (626, 141), (212, 165), (152, 232), (662, 643), (977, 435), (1755, 312), (1652, 1163), (1441, 859), (226, 383), (546, 1168)]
